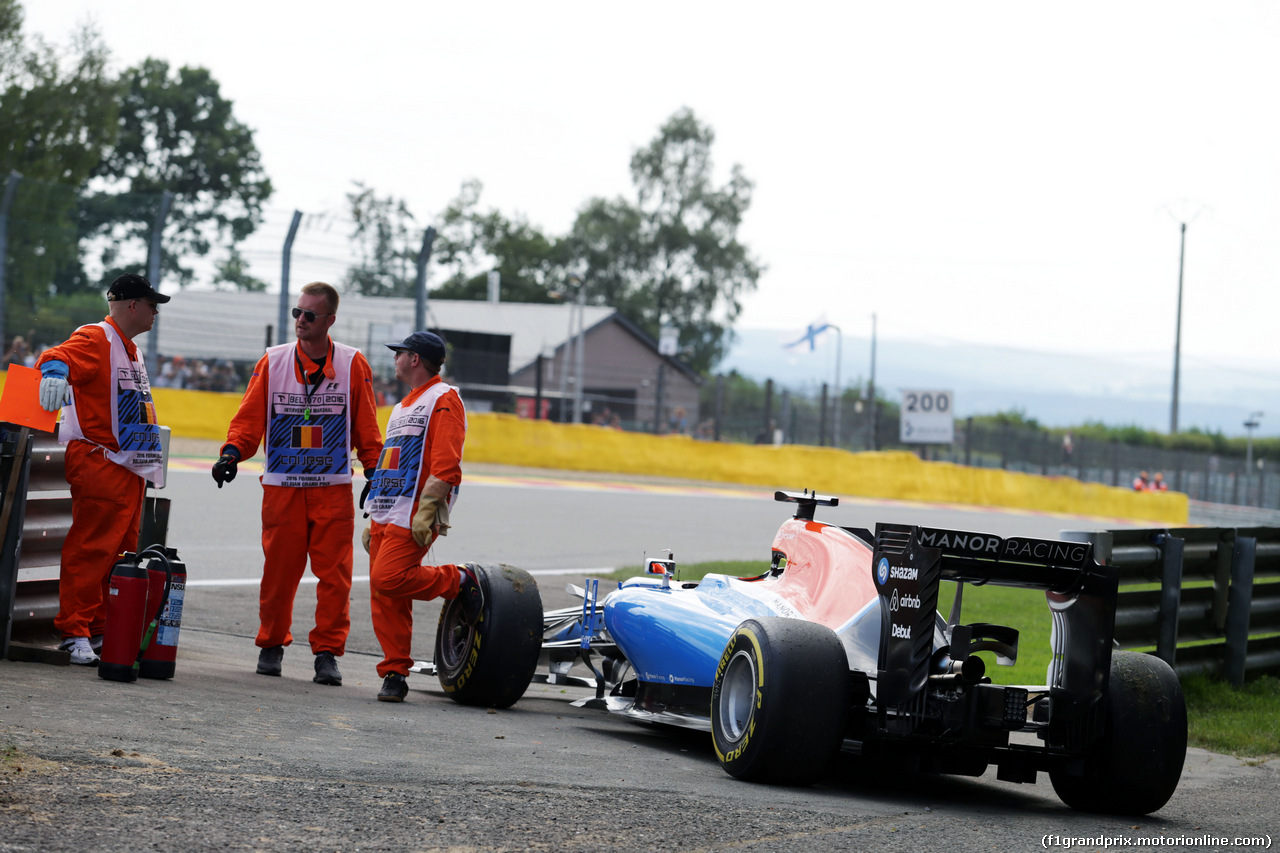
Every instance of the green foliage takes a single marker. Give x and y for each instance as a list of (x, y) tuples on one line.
[(531, 265), (384, 234), (1012, 418), (673, 257), (176, 133), (57, 119), (56, 317), (233, 272)]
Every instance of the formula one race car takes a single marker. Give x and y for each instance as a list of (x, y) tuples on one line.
[(840, 646)]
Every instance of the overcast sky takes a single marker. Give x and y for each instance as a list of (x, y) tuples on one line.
[(998, 172)]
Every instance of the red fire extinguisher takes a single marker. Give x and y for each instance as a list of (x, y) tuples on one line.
[(133, 616), (158, 658)]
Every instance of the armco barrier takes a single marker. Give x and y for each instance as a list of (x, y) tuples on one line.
[(35, 518), (1207, 599)]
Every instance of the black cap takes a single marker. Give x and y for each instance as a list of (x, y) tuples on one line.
[(130, 286), (426, 344)]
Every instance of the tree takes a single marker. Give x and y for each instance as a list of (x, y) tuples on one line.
[(57, 121), (176, 133), (531, 266), (234, 271), (385, 233), (674, 256)]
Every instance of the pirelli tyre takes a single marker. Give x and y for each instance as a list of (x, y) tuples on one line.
[(490, 663), (1135, 767), (780, 701)]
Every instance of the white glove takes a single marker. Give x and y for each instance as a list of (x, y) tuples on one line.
[(55, 392)]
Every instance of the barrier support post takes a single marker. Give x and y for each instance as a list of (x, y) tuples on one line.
[(1170, 597), (1239, 601)]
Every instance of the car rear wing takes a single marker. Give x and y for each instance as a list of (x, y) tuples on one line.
[(909, 562)]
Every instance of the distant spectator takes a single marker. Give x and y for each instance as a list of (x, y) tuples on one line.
[(174, 373), (18, 353), (679, 423), (1142, 482), (1068, 447), (1158, 484), (223, 378)]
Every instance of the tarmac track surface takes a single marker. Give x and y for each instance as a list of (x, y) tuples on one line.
[(220, 758)]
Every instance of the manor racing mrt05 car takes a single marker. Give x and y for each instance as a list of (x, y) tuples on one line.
[(841, 646)]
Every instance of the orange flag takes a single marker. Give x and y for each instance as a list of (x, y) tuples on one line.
[(20, 403)]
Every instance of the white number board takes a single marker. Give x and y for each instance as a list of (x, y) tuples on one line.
[(927, 417)]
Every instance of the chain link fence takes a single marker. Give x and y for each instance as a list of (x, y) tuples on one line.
[(735, 409)]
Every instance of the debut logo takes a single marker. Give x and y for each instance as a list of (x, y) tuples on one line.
[(882, 570), (900, 632)]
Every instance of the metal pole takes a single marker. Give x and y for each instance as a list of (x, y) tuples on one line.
[(537, 390), (10, 190), (871, 390), (284, 277), (424, 255), (659, 425), (153, 273), (578, 353), (1249, 425), (564, 369), (822, 418), (719, 407), (767, 428), (1177, 335), (835, 415)]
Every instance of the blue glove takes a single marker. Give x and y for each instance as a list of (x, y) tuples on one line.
[(55, 391)]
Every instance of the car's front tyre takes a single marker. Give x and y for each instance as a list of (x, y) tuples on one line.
[(490, 662)]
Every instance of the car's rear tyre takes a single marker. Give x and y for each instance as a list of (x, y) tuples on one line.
[(491, 662), (1138, 762), (780, 701)]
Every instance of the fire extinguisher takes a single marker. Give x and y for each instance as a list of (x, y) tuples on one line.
[(133, 614), (158, 658)]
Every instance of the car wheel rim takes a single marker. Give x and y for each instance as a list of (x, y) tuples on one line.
[(738, 695), (455, 638)]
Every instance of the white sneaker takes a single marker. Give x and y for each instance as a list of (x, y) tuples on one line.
[(82, 653)]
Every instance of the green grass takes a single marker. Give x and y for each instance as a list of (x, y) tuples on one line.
[(1244, 722)]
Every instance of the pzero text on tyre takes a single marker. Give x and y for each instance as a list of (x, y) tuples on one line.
[(780, 701), (1135, 767), (491, 662)]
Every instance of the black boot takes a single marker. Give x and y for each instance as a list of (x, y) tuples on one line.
[(269, 660), (327, 670)]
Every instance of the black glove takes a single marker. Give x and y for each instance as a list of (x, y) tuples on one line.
[(224, 470), (364, 493)]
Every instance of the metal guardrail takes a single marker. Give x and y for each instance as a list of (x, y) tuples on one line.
[(1212, 597), (35, 517)]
